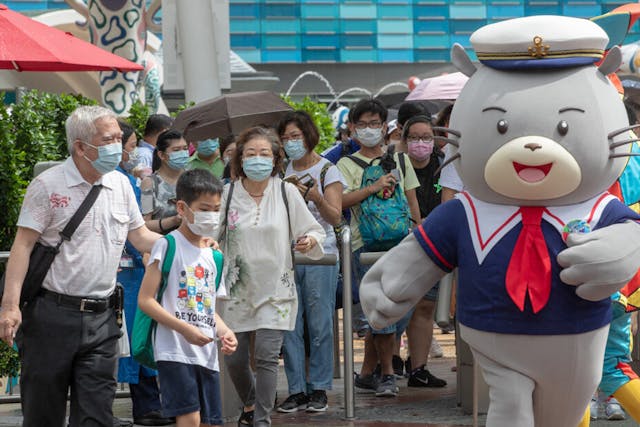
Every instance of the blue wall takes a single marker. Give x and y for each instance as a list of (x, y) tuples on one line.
[(273, 31), (268, 31)]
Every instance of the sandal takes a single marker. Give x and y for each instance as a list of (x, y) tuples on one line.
[(246, 419)]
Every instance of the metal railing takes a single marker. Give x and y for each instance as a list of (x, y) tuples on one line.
[(347, 335)]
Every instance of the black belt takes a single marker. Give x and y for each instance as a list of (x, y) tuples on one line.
[(91, 305)]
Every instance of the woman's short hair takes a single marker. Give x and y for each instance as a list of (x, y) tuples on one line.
[(163, 142), (412, 121), (258, 132), (127, 131), (305, 123), (80, 125)]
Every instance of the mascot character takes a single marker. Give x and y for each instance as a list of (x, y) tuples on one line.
[(539, 135)]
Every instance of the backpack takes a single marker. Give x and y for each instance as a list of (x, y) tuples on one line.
[(144, 327), (384, 222)]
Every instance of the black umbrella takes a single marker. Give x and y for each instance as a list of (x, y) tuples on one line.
[(230, 114)]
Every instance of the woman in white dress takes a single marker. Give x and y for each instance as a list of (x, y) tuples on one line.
[(264, 221)]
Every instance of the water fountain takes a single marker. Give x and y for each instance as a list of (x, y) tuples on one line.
[(337, 97), (392, 84), (316, 75), (344, 92)]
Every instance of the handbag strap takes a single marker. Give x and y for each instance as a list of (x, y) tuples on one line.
[(223, 235), (286, 205), (82, 211)]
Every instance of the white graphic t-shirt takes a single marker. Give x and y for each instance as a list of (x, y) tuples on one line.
[(191, 296)]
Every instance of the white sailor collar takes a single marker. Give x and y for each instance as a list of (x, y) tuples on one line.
[(489, 223)]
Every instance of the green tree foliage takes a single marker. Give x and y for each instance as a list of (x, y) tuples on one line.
[(138, 115), (321, 117), (31, 131)]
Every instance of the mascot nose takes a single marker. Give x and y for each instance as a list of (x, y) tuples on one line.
[(533, 146)]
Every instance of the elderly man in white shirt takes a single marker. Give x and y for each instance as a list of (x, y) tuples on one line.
[(69, 331)]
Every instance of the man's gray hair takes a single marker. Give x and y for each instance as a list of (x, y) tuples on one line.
[(81, 123)]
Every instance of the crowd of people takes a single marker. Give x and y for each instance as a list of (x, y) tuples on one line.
[(258, 197)]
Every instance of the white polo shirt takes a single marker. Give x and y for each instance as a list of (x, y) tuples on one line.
[(87, 264)]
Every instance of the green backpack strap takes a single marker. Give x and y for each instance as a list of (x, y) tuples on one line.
[(166, 265), (218, 258)]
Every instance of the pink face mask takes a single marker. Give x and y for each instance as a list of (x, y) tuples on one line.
[(420, 150)]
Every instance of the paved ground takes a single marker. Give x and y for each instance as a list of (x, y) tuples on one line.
[(413, 406)]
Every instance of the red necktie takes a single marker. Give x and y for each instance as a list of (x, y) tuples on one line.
[(530, 267)]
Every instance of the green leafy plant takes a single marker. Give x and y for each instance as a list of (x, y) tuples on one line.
[(321, 117), (31, 131), (138, 115), (182, 107), (9, 361)]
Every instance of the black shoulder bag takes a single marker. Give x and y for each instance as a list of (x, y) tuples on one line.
[(42, 256)]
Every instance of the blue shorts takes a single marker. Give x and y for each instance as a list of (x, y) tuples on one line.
[(190, 388), (432, 295)]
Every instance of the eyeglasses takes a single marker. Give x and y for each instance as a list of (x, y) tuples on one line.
[(292, 136), (411, 139), (374, 124)]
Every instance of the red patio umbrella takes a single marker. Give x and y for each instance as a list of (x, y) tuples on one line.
[(28, 45)]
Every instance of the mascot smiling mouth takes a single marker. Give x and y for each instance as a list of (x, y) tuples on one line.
[(531, 173)]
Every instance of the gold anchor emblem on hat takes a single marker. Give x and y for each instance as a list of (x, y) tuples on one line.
[(538, 50)]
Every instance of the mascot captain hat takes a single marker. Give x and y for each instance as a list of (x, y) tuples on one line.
[(540, 42)]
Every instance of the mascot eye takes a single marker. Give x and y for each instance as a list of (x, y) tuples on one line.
[(503, 126), (563, 127)]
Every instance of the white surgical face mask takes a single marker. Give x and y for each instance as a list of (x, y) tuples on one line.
[(204, 223), (369, 137)]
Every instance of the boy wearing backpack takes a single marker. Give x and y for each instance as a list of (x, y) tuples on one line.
[(381, 193), (188, 325)]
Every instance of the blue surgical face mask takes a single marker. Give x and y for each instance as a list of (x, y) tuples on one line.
[(134, 160), (109, 157), (295, 149), (257, 168), (178, 159), (208, 147)]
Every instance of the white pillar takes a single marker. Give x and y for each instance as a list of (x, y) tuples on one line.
[(196, 42)]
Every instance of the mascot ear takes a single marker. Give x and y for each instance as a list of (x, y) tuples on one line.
[(611, 62), (461, 60)]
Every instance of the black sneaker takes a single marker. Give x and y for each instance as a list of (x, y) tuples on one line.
[(366, 383), (317, 401), (421, 377), (407, 367), (398, 366), (294, 402)]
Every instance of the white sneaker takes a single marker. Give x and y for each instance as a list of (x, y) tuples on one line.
[(593, 407), (613, 410), (436, 350)]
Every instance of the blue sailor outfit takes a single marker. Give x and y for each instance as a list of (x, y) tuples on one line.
[(479, 238)]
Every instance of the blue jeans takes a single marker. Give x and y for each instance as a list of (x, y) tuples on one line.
[(316, 286)]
